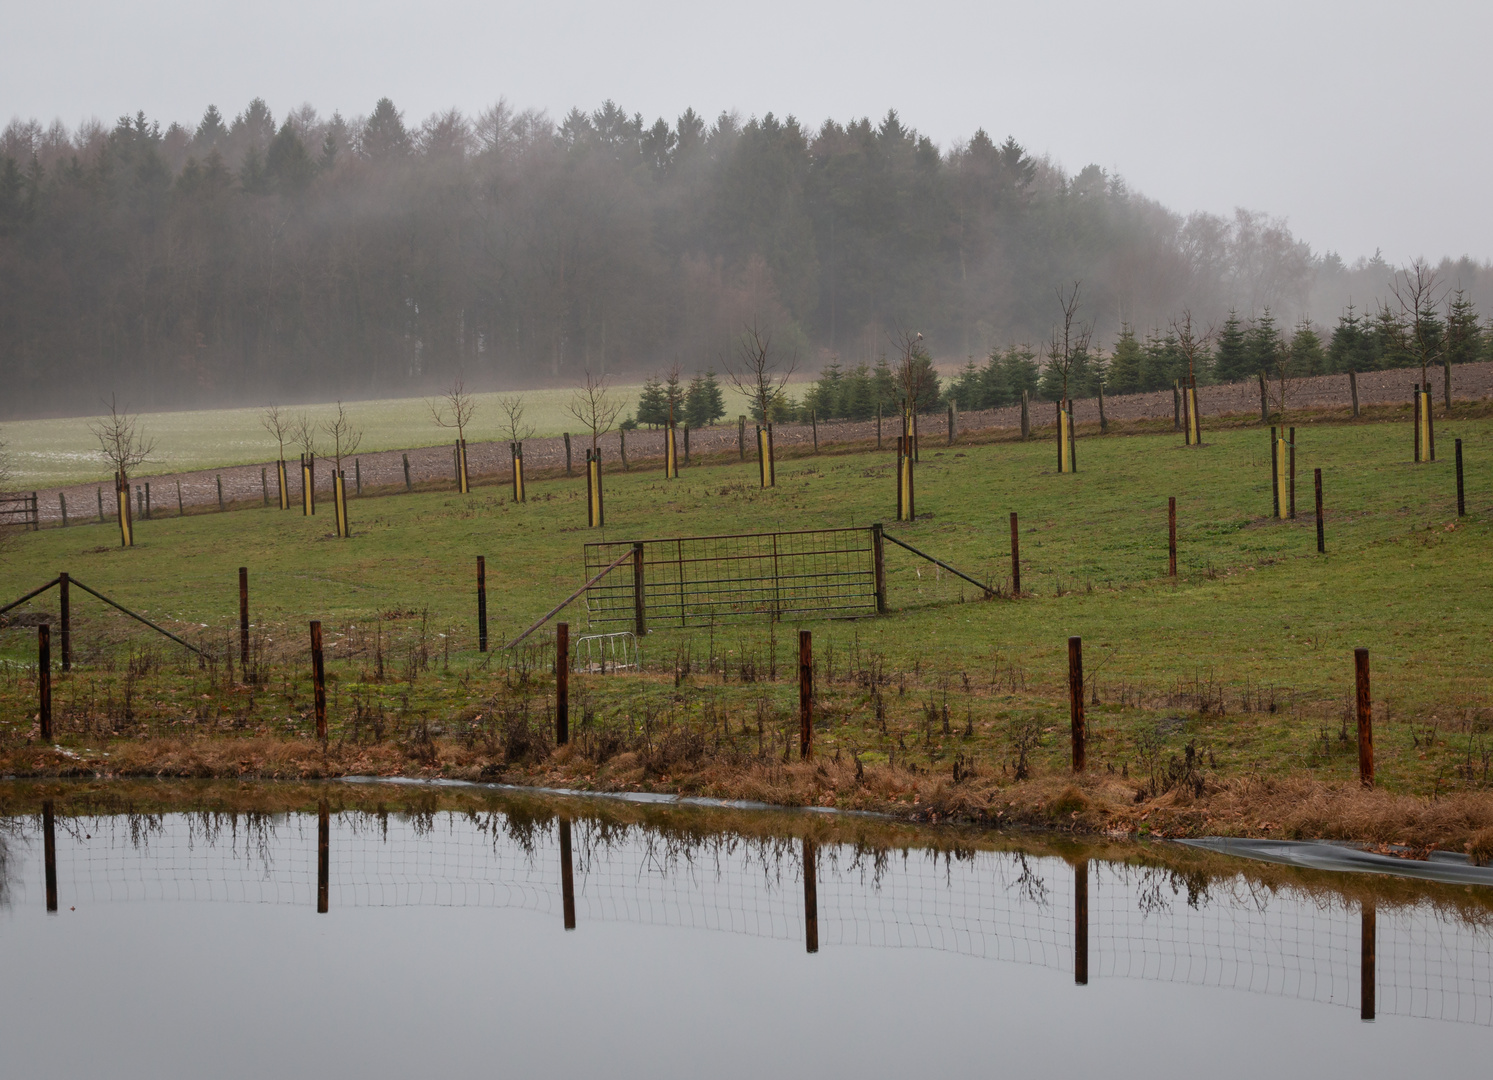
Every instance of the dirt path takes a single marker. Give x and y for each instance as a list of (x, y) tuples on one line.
[(489, 460)]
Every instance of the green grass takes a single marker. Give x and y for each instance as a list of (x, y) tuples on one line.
[(1255, 612)]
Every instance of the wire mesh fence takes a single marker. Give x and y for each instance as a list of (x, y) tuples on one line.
[(1143, 923), (697, 580)]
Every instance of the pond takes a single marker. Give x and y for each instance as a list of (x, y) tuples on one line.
[(381, 930)]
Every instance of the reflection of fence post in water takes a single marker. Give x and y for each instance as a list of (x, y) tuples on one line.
[(1369, 929), (811, 896), (323, 856), (49, 853), (1081, 922), (567, 876)]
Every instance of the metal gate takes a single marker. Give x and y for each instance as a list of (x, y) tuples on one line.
[(697, 580)]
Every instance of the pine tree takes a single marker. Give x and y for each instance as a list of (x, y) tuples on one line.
[(1464, 334), (653, 405), (966, 390), (1162, 363), (287, 164), (1307, 356), (703, 402), (1391, 340), (1351, 347), (1231, 362), (1125, 363), (673, 398), (1263, 344)]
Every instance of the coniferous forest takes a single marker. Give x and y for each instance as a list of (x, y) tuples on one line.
[(240, 259)]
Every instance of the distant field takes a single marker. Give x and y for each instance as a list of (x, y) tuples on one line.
[(50, 453)]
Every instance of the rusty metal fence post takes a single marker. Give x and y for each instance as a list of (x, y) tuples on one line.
[(639, 612)]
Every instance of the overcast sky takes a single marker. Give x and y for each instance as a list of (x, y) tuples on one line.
[(1364, 124)]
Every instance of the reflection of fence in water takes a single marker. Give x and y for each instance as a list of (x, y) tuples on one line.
[(1142, 922)]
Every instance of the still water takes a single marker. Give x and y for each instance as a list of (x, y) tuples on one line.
[(517, 936)]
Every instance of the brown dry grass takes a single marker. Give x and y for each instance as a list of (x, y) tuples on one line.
[(1294, 807)]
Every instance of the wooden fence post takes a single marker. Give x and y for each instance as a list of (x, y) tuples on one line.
[(1461, 494), (805, 695), (62, 504), (1321, 532), (481, 603), (741, 436), (1171, 536), (407, 485), (562, 683), (44, 679), (181, 506), (1365, 703), (1015, 559), (147, 501), (264, 485), (243, 620), (1026, 416), (1353, 391), (220, 491), (1176, 405), (65, 612), (878, 567), (358, 476), (1291, 454), (1103, 422), (1075, 700), (567, 455), (318, 680)]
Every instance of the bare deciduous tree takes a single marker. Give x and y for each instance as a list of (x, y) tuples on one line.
[(278, 424), (915, 373), (1190, 343), (455, 409), (303, 433), (592, 404), (1419, 292), (758, 372), (513, 426), (1072, 341), (345, 437), (121, 442)]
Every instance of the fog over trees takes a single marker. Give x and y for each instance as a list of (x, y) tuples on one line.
[(299, 257)]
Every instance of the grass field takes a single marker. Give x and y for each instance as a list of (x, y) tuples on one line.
[(1247, 655), (51, 453)]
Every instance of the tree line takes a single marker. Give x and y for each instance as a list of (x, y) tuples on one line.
[(309, 257)]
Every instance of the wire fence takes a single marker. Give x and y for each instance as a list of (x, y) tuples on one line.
[(697, 580), (1142, 923)]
